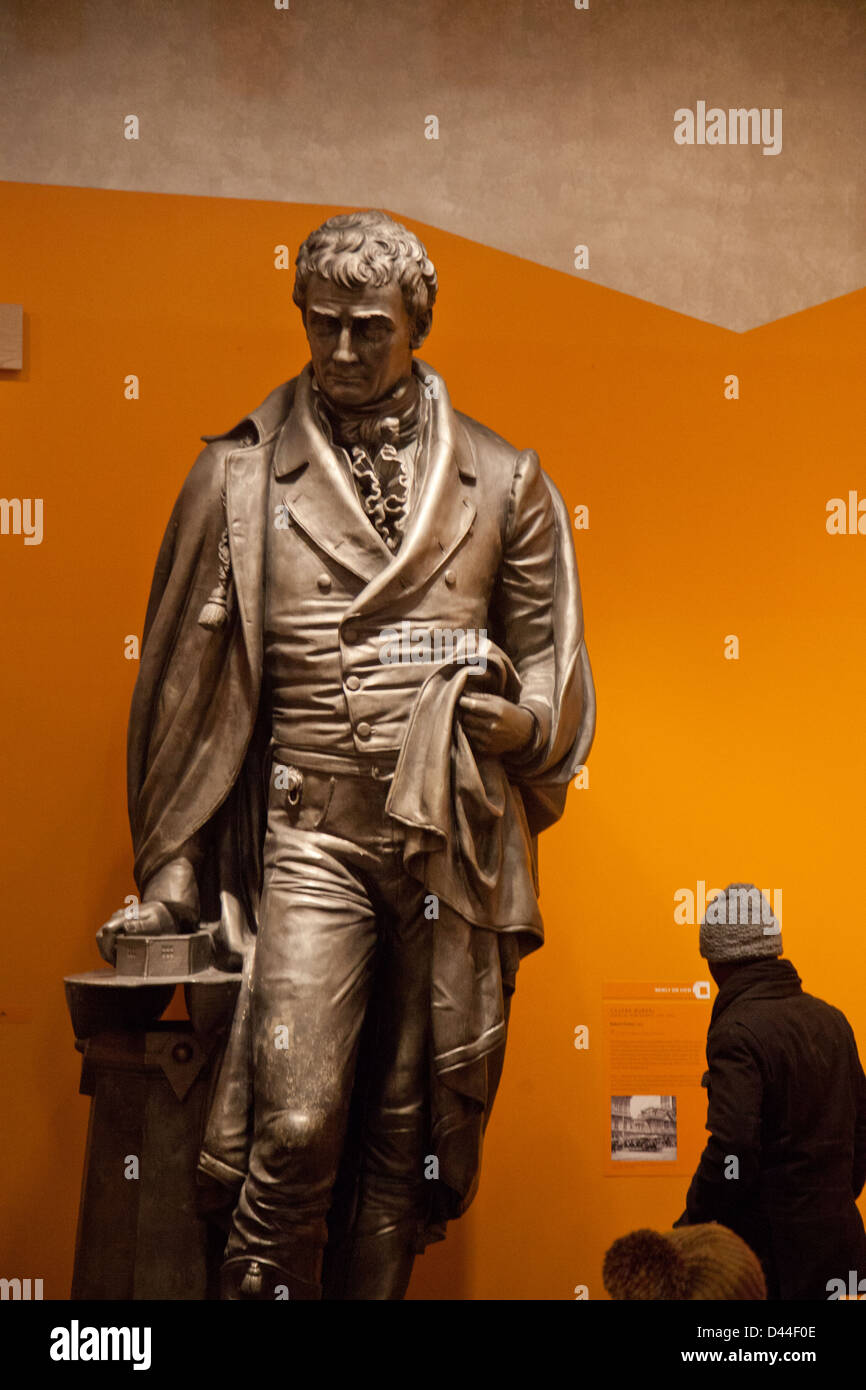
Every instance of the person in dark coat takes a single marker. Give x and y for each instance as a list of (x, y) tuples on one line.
[(786, 1157)]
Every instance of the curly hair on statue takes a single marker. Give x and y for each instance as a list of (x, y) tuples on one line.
[(355, 249)]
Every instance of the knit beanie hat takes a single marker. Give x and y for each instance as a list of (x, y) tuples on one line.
[(739, 925), (691, 1262)]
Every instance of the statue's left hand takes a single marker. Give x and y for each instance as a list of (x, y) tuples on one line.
[(495, 725), (153, 919)]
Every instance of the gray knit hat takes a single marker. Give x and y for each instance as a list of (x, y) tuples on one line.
[(739, 925)]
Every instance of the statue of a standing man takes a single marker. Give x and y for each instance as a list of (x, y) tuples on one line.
[(363, 692)]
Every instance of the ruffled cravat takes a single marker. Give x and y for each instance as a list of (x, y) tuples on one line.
[(372, 435), (393, 419)]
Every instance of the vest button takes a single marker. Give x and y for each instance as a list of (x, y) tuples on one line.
[(450, 578), (324, 582), (364, 730), (353, 683)]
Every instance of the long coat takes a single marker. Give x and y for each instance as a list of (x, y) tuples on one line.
[(787, 1100), (488, 545)]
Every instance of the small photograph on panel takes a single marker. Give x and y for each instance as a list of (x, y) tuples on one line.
[(643, 1128)]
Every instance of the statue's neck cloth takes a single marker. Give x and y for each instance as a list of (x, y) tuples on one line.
[(379, 441), (393, 419)]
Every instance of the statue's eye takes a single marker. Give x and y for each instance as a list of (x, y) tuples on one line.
[(373, 330)]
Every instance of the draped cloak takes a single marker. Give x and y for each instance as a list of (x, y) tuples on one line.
[(197, 780)]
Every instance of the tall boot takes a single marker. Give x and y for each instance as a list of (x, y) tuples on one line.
[(379, 1266), (250, 1277)]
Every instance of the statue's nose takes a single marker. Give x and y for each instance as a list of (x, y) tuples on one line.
[(344, 352)]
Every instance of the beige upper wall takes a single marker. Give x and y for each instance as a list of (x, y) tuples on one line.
[(556, 126)]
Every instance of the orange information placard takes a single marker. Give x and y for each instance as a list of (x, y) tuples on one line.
[(654, 1037)]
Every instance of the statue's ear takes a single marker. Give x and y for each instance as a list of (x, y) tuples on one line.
[(423, 324)]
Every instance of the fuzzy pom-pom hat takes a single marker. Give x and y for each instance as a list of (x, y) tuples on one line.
[(692, 1262)]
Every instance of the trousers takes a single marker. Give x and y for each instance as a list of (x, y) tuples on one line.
[(341, 973)]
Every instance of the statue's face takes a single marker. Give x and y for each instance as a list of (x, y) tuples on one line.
[(360, 340)]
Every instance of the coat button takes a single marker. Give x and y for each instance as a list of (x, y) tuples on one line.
[(450, 578), (324, 582), (364, 730), (352, 683)]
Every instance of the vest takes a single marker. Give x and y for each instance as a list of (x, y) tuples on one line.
[(317, 702)]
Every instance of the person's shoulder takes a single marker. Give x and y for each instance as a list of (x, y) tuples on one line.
[(499, 463), (765, 1018), (261, 424), (512, 476), (828, 1014), (735, 1030), (256, 428), (487, 440)]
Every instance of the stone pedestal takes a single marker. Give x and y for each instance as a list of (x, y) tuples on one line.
[(140, 1235)]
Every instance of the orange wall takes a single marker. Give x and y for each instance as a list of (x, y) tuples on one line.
[(706, 518)]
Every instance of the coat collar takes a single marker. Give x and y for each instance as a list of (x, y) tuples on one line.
[(262, 422), (301, 439), (321, 499), (761, 979)]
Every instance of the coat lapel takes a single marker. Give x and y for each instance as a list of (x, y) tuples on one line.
[(443, 511), (247, 481), (322, 501), (319, 494)]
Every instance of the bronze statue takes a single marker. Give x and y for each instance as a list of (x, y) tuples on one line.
[(363, 692)]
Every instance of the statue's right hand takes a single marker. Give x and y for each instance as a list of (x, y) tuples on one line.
[(152, 919)]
